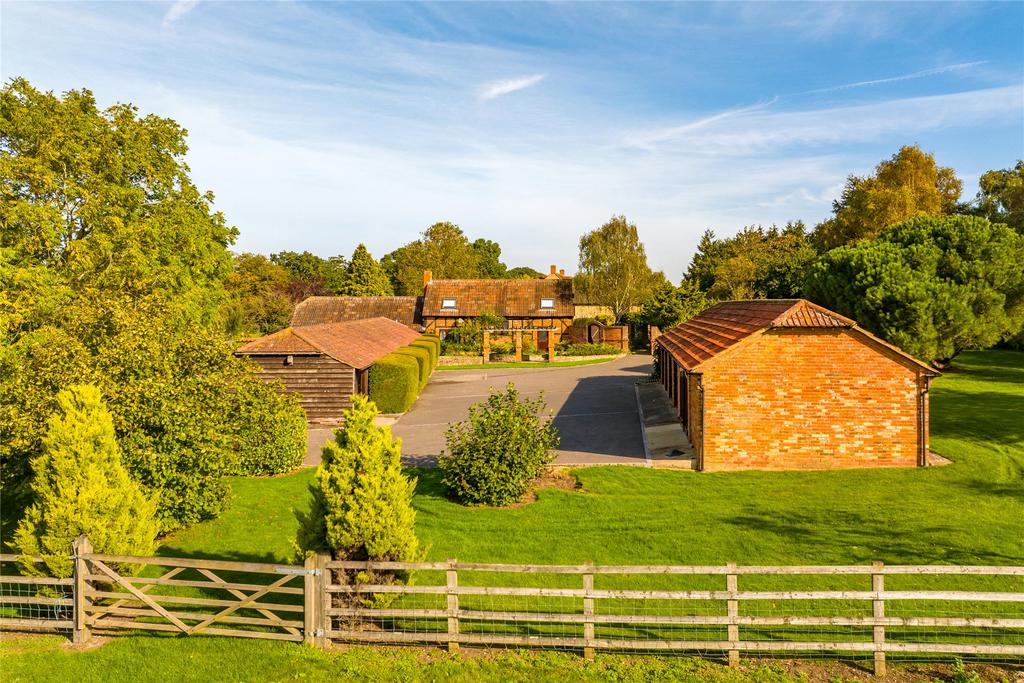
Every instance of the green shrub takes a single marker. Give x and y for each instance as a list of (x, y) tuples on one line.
[(422, 358), (529, 346), (503, 348), (269, 429), (434, 342), (362, 501), (394, 382), (492, 457), (432, 352), (587, 350), (82, 487)]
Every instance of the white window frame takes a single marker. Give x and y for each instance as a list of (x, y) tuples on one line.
[(448, 304), (547, 304)]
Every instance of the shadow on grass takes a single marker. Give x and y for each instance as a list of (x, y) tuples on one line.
[(990, 415)]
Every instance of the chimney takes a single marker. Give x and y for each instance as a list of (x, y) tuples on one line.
[(554, 270), (427, 277), (562, 272)]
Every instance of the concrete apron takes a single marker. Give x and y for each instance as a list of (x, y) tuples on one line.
[(665, 440)]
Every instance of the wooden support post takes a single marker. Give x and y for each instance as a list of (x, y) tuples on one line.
[(453, 606), (322, 602), (878, 586), (81, 548), (733, 610), (588, 611), (519, 345), (486, 348)]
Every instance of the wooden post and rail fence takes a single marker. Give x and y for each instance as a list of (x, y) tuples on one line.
[(584, 607)]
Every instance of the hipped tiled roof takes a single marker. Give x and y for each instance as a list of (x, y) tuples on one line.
[(358, 343), (726, 324), (507, 298), (335, 309)]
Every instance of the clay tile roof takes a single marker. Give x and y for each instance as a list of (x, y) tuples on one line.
[(357, 342), (730, 322), (507, 298), (335, 309)]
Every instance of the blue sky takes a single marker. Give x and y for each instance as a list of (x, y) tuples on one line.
[(322, 125)]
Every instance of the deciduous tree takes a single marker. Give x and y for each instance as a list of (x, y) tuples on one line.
[(443, 249), (614, 267), (1001, 197)]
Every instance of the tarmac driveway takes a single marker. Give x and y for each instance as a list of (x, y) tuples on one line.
[(594, 408)]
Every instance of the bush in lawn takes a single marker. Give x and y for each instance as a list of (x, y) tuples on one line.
[(269, 429), (394, 382), (362, 502), (422, 358), (82, 487), (491, 458), (588, 350)]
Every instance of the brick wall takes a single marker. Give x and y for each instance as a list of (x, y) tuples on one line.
[(808, 399)]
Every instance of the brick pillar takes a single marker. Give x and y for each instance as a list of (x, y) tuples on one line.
[(551, 346), (519, 346), (487, 346)]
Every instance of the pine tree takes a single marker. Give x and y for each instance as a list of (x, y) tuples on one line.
[(362, 503), (365, 276), (81, 487)]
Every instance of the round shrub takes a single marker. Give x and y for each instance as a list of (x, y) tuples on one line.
[(394, 382), (492, 457)]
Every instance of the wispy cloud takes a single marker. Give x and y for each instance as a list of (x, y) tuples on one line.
[(511, 85), (895, 79), (650, 138), (177, 10)]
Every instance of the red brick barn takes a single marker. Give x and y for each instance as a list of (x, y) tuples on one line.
[(326, 363), (786, 384)]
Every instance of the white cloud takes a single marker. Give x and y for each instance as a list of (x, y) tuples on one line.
[(499, 88), (895, 79), (177, 10)]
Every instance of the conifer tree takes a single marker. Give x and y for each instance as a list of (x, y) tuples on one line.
[(81, 487), (365, 276), (362, 502)]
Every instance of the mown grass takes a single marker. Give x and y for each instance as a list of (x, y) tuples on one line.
[(969, 512)]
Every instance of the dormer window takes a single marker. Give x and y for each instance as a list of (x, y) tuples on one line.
[(547, 304), (448, 304)]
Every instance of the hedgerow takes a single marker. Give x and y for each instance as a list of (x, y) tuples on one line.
[(423, 365), (394, 382)]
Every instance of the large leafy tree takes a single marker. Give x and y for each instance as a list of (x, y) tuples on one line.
[(613, 266), (311, 275), (669, 305), (489, 259), (364, 276), (1000, 198), (908, 185), (258, 296), (443, 249), (756, 263), (523, 273), (99, 202), (933, 286)]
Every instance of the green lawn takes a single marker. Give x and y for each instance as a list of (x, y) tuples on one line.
[(970, 512), (527, 364)]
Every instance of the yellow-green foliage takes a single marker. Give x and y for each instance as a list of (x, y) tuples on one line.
[(362, 501), (82, 487), (394, 382), (423, 365), (434, 350)]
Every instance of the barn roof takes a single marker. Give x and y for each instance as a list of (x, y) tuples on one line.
[(316, 310), (507, 298), (726, 324), (358, 343)]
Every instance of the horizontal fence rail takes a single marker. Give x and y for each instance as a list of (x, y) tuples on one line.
[(861, 610)]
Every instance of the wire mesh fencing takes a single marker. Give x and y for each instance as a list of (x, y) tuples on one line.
[(32, 602)]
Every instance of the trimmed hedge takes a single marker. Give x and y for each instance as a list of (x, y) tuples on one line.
[(422, 357), (394, 382), (433, 347)]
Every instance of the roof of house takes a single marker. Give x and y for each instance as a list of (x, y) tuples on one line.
[(507, 298), (356, 342), (335, 309), (726, 324)]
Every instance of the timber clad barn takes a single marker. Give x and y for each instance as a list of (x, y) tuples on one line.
[(325, 364), (786, 384)]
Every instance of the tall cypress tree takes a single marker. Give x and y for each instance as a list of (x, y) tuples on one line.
[(365, 276)]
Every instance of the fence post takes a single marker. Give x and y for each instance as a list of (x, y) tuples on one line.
[(80, 548), (452, 582), (309, 601), (588, 611), (878, 586), (322, 601), (733, 611)]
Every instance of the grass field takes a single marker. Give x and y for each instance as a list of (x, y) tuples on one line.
[(969, 512)]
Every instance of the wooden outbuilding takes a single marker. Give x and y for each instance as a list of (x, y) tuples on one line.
[(325, 364), (787, 384)]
